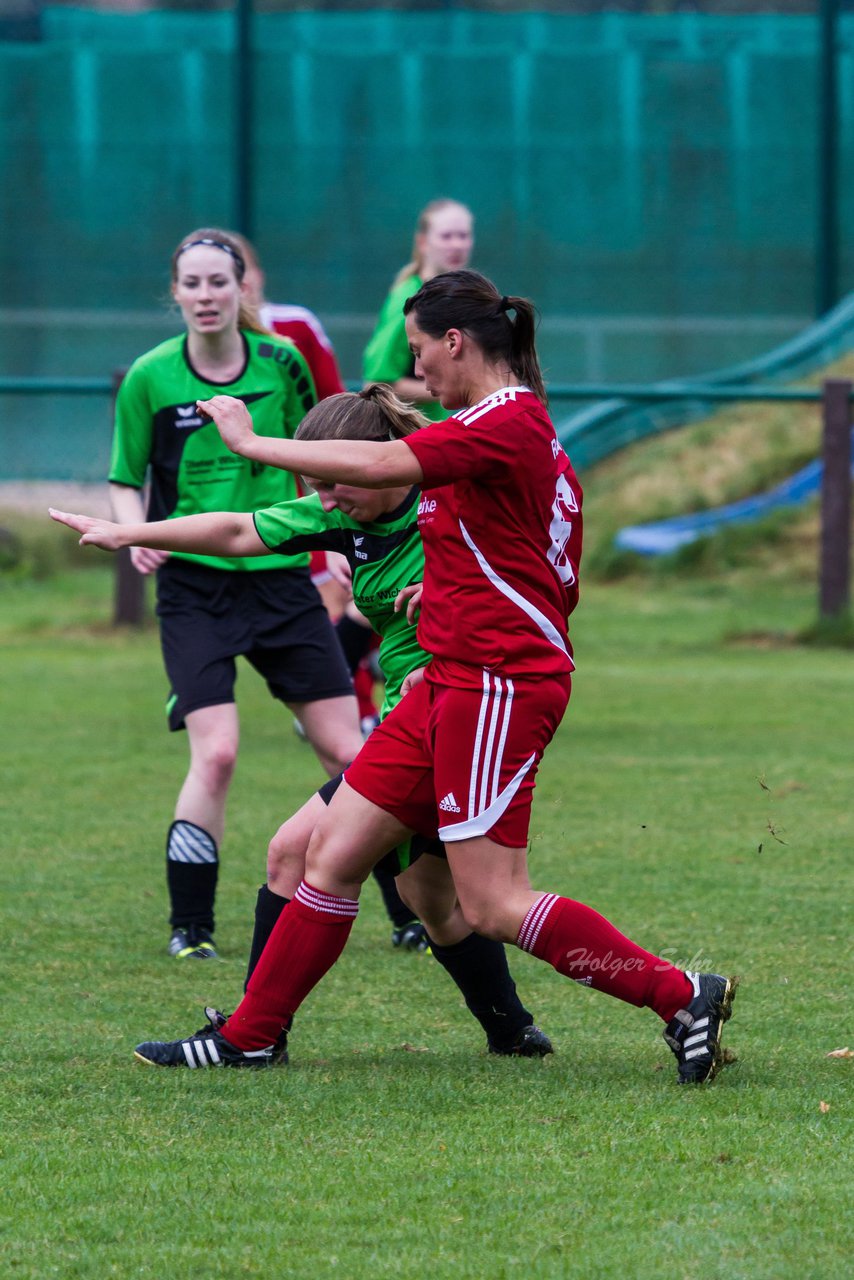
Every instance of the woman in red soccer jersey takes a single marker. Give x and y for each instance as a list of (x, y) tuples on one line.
[(501, 522)]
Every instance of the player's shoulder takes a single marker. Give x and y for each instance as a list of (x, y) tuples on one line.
[(292, 321), (277, 347), (505, 406), (166, 352), (398, 294)]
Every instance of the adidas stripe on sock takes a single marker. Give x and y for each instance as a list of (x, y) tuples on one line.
[(583, 945), (307, 939)]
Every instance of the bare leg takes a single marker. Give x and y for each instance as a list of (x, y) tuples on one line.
[(332, 727), (428, 889), (288, 847), (192, 846), (214, 734)]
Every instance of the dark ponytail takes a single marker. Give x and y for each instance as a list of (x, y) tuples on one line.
[(467, 301)]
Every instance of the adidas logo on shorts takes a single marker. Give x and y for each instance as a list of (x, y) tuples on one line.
[(449, 804)]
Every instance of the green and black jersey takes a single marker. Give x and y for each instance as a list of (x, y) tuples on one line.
[(384, 557), (387, 356), (160, 435)]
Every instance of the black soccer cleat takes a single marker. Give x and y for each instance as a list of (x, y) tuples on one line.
[(694, 1034), (191, 942), (207, 1048), (531, 1042), (412, 937)]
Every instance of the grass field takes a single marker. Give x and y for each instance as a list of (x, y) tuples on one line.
[(698, 793)]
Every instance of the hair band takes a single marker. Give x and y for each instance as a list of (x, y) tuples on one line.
[(213, 244)]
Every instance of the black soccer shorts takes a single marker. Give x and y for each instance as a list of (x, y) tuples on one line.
[(272, 617)]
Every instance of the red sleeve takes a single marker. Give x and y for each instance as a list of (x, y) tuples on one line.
[(485, 447), (327, 376)]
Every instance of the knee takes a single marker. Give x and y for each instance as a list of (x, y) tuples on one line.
[(283, 859), (341, 752), (487, 919), (434, 909), (217, 761), (319, 853), (332, 860)]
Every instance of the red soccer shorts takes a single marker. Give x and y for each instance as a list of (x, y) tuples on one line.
[(462, 762)]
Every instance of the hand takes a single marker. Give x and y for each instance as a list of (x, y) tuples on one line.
[(145, 559), (109, 536), (96, 533), (338, 567), (412, 594), (232, 418), (415, 677)]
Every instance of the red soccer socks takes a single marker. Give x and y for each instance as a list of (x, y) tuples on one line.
[(583, 945), (308, 938)]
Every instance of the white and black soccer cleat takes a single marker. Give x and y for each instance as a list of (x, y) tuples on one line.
[(217, 1020), (694, 1034), (207, 1048)]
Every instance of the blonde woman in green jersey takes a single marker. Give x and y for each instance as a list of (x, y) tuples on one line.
[(444, 239), (213, 608)]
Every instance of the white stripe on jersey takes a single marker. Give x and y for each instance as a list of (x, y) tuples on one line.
[(287, 314), (468, 416), (548, 629)]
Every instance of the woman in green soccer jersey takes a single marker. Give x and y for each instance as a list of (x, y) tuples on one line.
[(212, 608), (444, 239), (377, 531)]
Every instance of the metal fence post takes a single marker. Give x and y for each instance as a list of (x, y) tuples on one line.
[(835, 563), (129, 586)]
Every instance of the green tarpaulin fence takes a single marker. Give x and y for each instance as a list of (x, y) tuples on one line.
[(650, 181)]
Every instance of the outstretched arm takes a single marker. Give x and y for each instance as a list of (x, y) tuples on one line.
[(370, 463), (128, 508), (219, 533)]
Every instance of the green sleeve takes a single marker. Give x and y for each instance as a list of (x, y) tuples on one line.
[(132, 435), (300, 525), (387, 355), (302, 394)]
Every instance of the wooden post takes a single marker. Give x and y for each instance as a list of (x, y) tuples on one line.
[(129, 586), (835, 567)]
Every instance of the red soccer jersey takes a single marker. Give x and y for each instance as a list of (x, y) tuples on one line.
[(309, 337), (500, 516)]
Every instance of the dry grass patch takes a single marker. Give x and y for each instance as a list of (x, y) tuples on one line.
[(743, 449)]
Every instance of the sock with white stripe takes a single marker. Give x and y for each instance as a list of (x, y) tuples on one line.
[(581, 944), (307, 939), (192, 867)]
